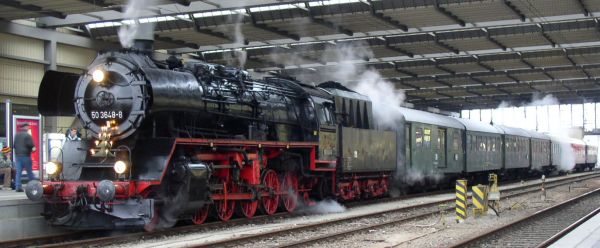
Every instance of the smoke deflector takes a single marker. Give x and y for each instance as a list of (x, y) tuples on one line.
[(56, 93)]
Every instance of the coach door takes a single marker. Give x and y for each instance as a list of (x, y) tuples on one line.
[(408, 145), (441, 148)]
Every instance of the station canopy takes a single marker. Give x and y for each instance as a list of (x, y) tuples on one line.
[(450, 54)]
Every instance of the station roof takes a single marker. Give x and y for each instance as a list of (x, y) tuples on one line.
[(450, 54)]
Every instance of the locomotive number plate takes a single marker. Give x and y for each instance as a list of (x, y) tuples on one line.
[(102, 115)]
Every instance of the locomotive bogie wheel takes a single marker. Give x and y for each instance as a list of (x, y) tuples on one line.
[(269, 203), (201, 215), (289, 185)]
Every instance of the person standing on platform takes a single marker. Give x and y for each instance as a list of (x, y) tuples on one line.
[(23, 145), (73, 135), (6, 167)]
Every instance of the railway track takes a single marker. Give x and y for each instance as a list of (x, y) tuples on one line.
[(542, 228), (321, 231), (406, 214), (424, 213)]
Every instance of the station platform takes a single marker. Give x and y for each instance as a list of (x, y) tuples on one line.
[(585, 235), (20, 217)]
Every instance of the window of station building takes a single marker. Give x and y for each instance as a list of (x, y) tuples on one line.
[(419, 137), (427, 138)]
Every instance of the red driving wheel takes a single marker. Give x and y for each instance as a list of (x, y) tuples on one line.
[(225, 208), (201, 215), (289, 185), (247, 208), (270, 202)]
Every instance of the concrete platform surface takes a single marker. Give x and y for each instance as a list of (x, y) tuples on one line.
[(20, 218), (585, 235)]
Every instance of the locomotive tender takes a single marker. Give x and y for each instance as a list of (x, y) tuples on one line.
[(179, 141)]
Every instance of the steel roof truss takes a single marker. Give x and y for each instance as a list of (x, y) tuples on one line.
[(583, 7), (515, 10), (384, 18), (449, 14), (271, 29), (325, 23), (33, 8)]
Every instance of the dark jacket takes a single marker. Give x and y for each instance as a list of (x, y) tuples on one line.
[(23, 144)]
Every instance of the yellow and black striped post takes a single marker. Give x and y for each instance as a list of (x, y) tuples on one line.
[(461, 200), (479, 199)]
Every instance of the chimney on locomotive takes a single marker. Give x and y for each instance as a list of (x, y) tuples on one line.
[(144, 39)]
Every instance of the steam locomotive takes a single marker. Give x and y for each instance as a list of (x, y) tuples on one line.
[(177, 141)]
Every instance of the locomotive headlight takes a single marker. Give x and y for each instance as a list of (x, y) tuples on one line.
[(120, 167), (98, 76), (53, 168)]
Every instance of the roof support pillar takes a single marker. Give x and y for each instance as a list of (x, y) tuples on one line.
[(50, 48)]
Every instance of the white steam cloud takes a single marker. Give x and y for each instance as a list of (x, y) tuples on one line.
[(567, 157), (238, 57), (385, 97), (536, 100), (322, 207), (130, 31)]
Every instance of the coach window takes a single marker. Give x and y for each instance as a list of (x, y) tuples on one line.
[(427, 138), (419, 137), (455, 142), (469, 144), (494, 144)]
